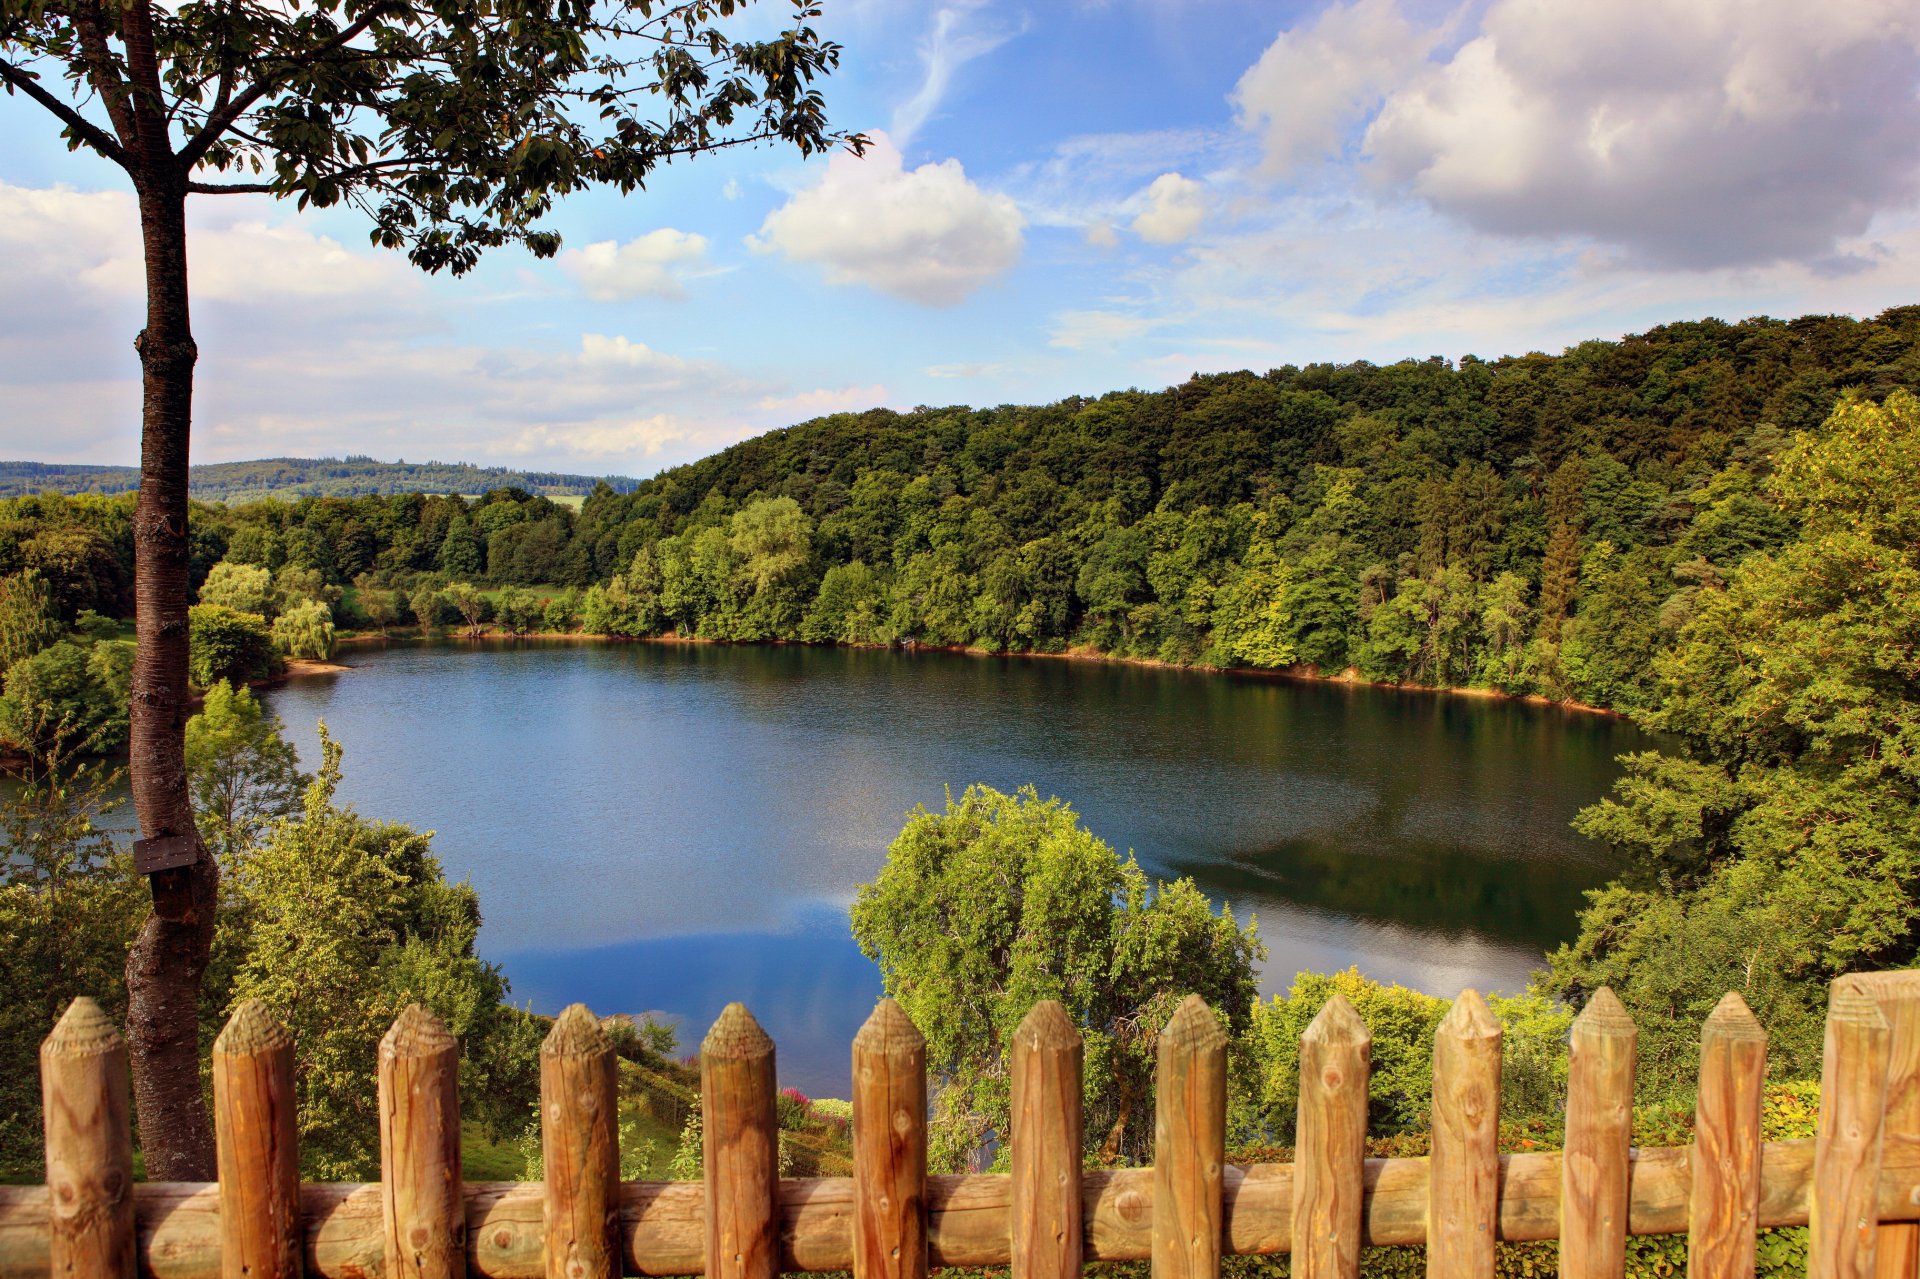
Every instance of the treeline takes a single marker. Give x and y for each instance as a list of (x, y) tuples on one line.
[(352, 476)]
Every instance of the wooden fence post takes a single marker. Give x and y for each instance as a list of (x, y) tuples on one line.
[(580, 1148), (256, 1147), (1843, 1210), (1594, 1168), (83, 1092), (1897, 1253), (1463, 1190), (421, 1200), (889, 1147), (741, 1140), (1724, 1208), (1189, 1143), (1048, 1138), (1330, 1152)]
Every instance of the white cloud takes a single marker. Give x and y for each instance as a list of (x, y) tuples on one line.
[(1693, 134), (963, 370), (1101, 235), (1175, 207), (1313, 84), (651, 265), (928, 235), (1082, 330), (823, 400), (949, 46)]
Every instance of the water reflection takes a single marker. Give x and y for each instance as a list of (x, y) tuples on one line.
[(668, 827)]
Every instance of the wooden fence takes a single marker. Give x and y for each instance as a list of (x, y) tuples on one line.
[(1857, 1183)]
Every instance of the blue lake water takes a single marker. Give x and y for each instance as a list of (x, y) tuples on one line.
[(666, 827)]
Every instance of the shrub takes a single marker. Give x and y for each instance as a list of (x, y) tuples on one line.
[(225, 644)]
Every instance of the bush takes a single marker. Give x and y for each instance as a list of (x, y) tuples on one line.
[(224, 644), (68, 696)]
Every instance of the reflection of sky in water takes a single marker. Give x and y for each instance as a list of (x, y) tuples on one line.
[(657, 827)]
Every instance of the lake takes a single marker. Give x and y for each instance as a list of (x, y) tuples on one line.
[(661, 827)]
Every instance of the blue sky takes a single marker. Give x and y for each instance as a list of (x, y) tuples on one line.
[(1063, 198)]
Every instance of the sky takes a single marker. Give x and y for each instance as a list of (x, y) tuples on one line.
[(1062, 197)]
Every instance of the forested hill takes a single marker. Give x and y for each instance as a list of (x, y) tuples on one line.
[(303, 477)]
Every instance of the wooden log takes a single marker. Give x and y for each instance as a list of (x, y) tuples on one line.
[(83, 1094), (1189, 1143), (256, 1146), (1463, 1214), (1724, 1207), (580, 1147), (1046, 1225), (1847, 1143), (663, 1225), (741, 1135), (422, 1207), (1897, 1252), (1331, 1148), (1595, 1164), (889, 1147)]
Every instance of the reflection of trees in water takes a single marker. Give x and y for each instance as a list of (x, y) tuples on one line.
[(1425, 887)]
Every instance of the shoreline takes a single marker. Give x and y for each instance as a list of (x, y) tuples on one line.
[(1349, 678)]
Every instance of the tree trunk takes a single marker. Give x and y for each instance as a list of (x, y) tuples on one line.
[(169, 957)]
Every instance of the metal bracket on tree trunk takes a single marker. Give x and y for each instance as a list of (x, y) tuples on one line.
[(163, 852)]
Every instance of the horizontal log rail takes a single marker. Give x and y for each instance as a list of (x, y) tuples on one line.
[(663, 1224), (1856, 1184)]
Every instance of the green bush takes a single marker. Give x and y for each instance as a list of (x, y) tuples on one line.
[(225, 644)]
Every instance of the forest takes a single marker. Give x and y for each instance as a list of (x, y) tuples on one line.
[(1710, 527), (350, 476)]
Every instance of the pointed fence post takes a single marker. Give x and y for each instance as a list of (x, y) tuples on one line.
[(1724, 1208), (1047, 1140), (1897, 1253), (741, 1140), (424, 1211), (83, 1092), (1463, 1190), (1330, 1153), (1594, 1168), (1843, 1210), (889, 1147), (580, 1147), (256, 1147), (1189, 1143)]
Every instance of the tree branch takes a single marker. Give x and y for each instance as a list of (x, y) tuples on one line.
[(219, 120), (84, 129), (231, 188), (106, 78)]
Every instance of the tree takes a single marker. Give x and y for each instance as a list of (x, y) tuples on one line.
[(1003, 900), (454, 131), (381, 605), (243, 772), (226, 645), (305, 631), (466, 600), (66, 699), (28, 620), (244, 588)]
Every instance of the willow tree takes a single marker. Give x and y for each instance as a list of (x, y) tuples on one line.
[(453, 127)]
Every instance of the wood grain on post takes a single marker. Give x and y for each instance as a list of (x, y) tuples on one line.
[(889, 1147), (1331, 1147), (256, 1147), (1189, 1143), (1463, 1214), (1724, 1208), (1595, 1164), (1897, 1253), (741, 1139), (580, 1147), (422, 1207), (1047, 1232), (83, 1092), (1843, 1213)]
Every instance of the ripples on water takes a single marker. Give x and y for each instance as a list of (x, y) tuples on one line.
[(667, 827)]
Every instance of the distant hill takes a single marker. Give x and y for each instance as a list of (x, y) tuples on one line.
[(351, 476)]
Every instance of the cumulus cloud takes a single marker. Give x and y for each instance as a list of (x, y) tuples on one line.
[(928, 235), (1175, 207), (1314, 84), (1692, 135), (650, 265), (823, 400)]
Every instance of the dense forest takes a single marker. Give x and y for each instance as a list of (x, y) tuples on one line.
[(350, 476), (1711, 527)]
